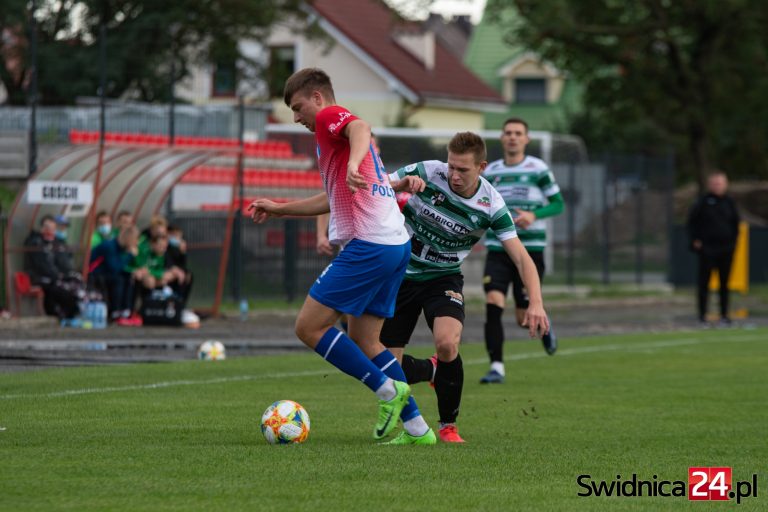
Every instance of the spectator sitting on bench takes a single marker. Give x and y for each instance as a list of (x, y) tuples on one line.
[(124, 220), (155, 272), (176, 257), (157, 226), (112, 260), (48, 266), (103, 231)]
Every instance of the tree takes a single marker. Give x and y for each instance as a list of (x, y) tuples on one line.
[(142, 35), (687, 72)]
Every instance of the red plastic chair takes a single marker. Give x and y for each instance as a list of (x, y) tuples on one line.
[(24, 288)]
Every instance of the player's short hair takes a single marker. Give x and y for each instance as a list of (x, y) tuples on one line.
[(468, 142), (46, 218), (307, 80), (516, 120), (124, 213), (102, 213)]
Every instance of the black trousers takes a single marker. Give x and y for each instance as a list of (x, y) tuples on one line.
[(60, 301), (708, 261)]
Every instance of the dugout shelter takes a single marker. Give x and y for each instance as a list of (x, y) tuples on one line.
[(133, 174)]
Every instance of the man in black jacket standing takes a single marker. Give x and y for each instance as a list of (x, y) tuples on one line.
[(713, 226)]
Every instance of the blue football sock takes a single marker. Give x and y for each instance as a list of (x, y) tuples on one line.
[(392, 369), (339, 350)]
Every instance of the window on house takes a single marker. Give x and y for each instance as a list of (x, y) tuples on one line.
[(224, 77), (281, 66), (530, 90)]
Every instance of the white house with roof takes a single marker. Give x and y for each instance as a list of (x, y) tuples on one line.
[(389, 71)]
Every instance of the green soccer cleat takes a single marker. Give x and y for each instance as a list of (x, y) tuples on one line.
[(389, 410), (405, 438)]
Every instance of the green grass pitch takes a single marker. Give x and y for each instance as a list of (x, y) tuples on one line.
[(185, 436)]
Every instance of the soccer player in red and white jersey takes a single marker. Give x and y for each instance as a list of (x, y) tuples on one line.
[(363, 280)]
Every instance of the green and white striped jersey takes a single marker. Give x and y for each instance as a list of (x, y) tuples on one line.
[(525, 186), (443, 225)]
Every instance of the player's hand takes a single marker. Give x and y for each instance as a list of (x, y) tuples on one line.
[(262, 209), (324, 246), (410, 184), (524, 218), (355, 180), (536, 320)]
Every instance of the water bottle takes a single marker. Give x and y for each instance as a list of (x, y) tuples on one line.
[(243, 310), (87, 315), (100, 315)]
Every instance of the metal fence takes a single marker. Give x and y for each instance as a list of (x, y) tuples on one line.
[(53, 125), (618, 219), (616, 226), (278, 258)]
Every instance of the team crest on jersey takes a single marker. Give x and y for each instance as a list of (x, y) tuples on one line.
[(438, 198), (484, 201), (455, 296)]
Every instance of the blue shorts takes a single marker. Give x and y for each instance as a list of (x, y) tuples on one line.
[(363, 278)]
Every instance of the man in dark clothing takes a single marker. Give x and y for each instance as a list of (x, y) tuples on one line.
[(43, 261), (176, 257), (713, 226)]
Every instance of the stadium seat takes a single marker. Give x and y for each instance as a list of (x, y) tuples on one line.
[(24, 288)]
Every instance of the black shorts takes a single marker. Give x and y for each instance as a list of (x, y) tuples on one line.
[(438, 297), (500, 271)]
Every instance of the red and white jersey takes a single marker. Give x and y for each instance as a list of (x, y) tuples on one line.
[(369, 214)]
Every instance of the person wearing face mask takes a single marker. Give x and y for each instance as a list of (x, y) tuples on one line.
[(103, 231), (47, 268), (65, 259)]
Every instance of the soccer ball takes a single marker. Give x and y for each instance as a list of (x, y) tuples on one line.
[(285, 422), (212, 350)]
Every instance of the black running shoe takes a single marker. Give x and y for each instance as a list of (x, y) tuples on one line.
[(549, 341)]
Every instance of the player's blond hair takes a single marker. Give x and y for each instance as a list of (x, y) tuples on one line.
[(468, 142), (306, 81)]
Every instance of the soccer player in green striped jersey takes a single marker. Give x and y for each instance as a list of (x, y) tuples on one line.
[(444, 221), (531, 194)]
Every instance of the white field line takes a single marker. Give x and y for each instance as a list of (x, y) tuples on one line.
[(627, 347)]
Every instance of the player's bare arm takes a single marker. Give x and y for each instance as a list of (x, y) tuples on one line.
[(535, 317), (410, 184), (359, 134), (323, 244), (262, 209)]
